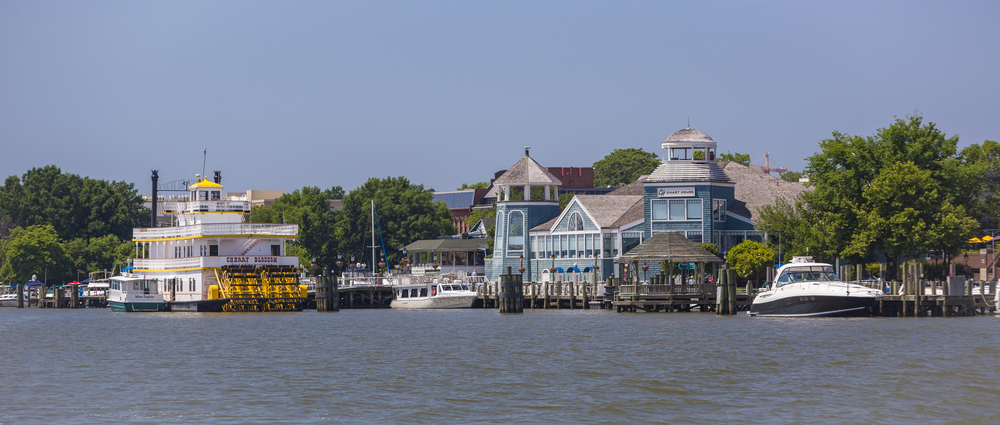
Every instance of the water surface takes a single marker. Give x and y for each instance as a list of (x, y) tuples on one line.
[(77, 366)]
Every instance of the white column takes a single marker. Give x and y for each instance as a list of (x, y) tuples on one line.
[(527, 192), (506, 192), (548, 192)]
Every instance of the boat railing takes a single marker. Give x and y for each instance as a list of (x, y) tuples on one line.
[(206, 206), (167, 263), (217, 229)]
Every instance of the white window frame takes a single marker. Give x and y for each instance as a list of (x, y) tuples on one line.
[(719, 210), (687, 201)]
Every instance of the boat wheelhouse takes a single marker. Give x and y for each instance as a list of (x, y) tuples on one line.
[(214, 259), (135, 294)]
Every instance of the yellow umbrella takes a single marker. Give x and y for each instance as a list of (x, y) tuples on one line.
[(975, 240), (987, 238)]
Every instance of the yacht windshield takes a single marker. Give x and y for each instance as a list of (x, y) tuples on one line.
[(806, 274)]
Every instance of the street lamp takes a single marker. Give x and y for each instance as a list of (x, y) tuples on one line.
[(406, 260), (340, 263), (521, 269), (553, 269), (596, 267), (644, 268)]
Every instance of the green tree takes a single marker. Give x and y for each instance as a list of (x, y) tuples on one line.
[(792, 176), (624, 166), (750, 259), (290, 207), (34, 250), (76, 207), (480, 185), (335, 192), (739, 158), (405, 212), (96, 254)]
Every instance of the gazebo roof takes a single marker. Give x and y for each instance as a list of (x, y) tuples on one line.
[(668, 246), (450, 244)]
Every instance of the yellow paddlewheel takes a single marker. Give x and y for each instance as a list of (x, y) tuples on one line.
[(260, 288)]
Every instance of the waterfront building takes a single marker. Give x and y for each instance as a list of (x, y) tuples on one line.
[(690, 193)]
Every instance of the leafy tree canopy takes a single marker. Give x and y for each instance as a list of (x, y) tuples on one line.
[(76, 207), (792, 176), (34, 250), (624, 166), (480, 185), (96, 254), (739, 158), (750, 259), (405, 213)]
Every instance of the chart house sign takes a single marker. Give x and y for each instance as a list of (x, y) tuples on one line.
[(674, 192)]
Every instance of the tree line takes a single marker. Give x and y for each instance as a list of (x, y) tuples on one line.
[(59, 225)]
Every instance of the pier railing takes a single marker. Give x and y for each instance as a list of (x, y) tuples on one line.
[(219, 229), (705, 289)]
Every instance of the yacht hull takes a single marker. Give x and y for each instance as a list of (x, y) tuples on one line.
[(815, 306), (438, 302), (137, 306)]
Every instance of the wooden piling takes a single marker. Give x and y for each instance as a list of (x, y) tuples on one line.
[(511, 296), (75, 296), (20, 295)]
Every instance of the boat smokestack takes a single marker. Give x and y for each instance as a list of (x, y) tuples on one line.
[(152, 213), (218, 177)]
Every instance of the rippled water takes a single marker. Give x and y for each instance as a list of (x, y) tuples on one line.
[(477, 365)]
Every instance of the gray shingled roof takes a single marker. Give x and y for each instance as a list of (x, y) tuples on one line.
[(447, 245), (683, 171), (608, 209), (689, 135), (755, 189), (635, 188), (527, 171), (668, 246)]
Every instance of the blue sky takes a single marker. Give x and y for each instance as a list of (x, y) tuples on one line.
[(290, 94)]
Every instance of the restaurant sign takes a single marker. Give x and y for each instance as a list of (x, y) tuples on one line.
[(674, 192)]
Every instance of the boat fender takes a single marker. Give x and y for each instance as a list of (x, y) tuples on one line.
[(433, 292)]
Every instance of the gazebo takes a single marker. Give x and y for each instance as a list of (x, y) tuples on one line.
[(671, 247)]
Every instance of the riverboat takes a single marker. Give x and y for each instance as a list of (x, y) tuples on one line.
[(213, 259), (805, 288), (135, 294), (433, 295)]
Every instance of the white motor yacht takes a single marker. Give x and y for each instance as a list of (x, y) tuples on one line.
[(805, 288)]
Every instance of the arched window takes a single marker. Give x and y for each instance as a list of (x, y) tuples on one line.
[(515, 231), (575, 222), (497, 244)]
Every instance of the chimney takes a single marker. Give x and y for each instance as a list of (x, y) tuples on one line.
[(526, 151)]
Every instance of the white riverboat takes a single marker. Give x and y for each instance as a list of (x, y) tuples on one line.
[(433, 295), (805, 288), (213, 259), (135, 294)]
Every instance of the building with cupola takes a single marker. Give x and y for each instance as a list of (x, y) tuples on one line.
[(690, 192)]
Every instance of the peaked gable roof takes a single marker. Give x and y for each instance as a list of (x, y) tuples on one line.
[(527, 171), (668, 246)]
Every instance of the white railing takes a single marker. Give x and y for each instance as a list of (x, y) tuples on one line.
[(229, 260), (206, 206), (221, 229), (411, 280), (167, 263)]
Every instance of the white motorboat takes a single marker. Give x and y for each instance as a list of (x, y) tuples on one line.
[(433, 295), (805, 288), (131, 294), (9, 297)]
